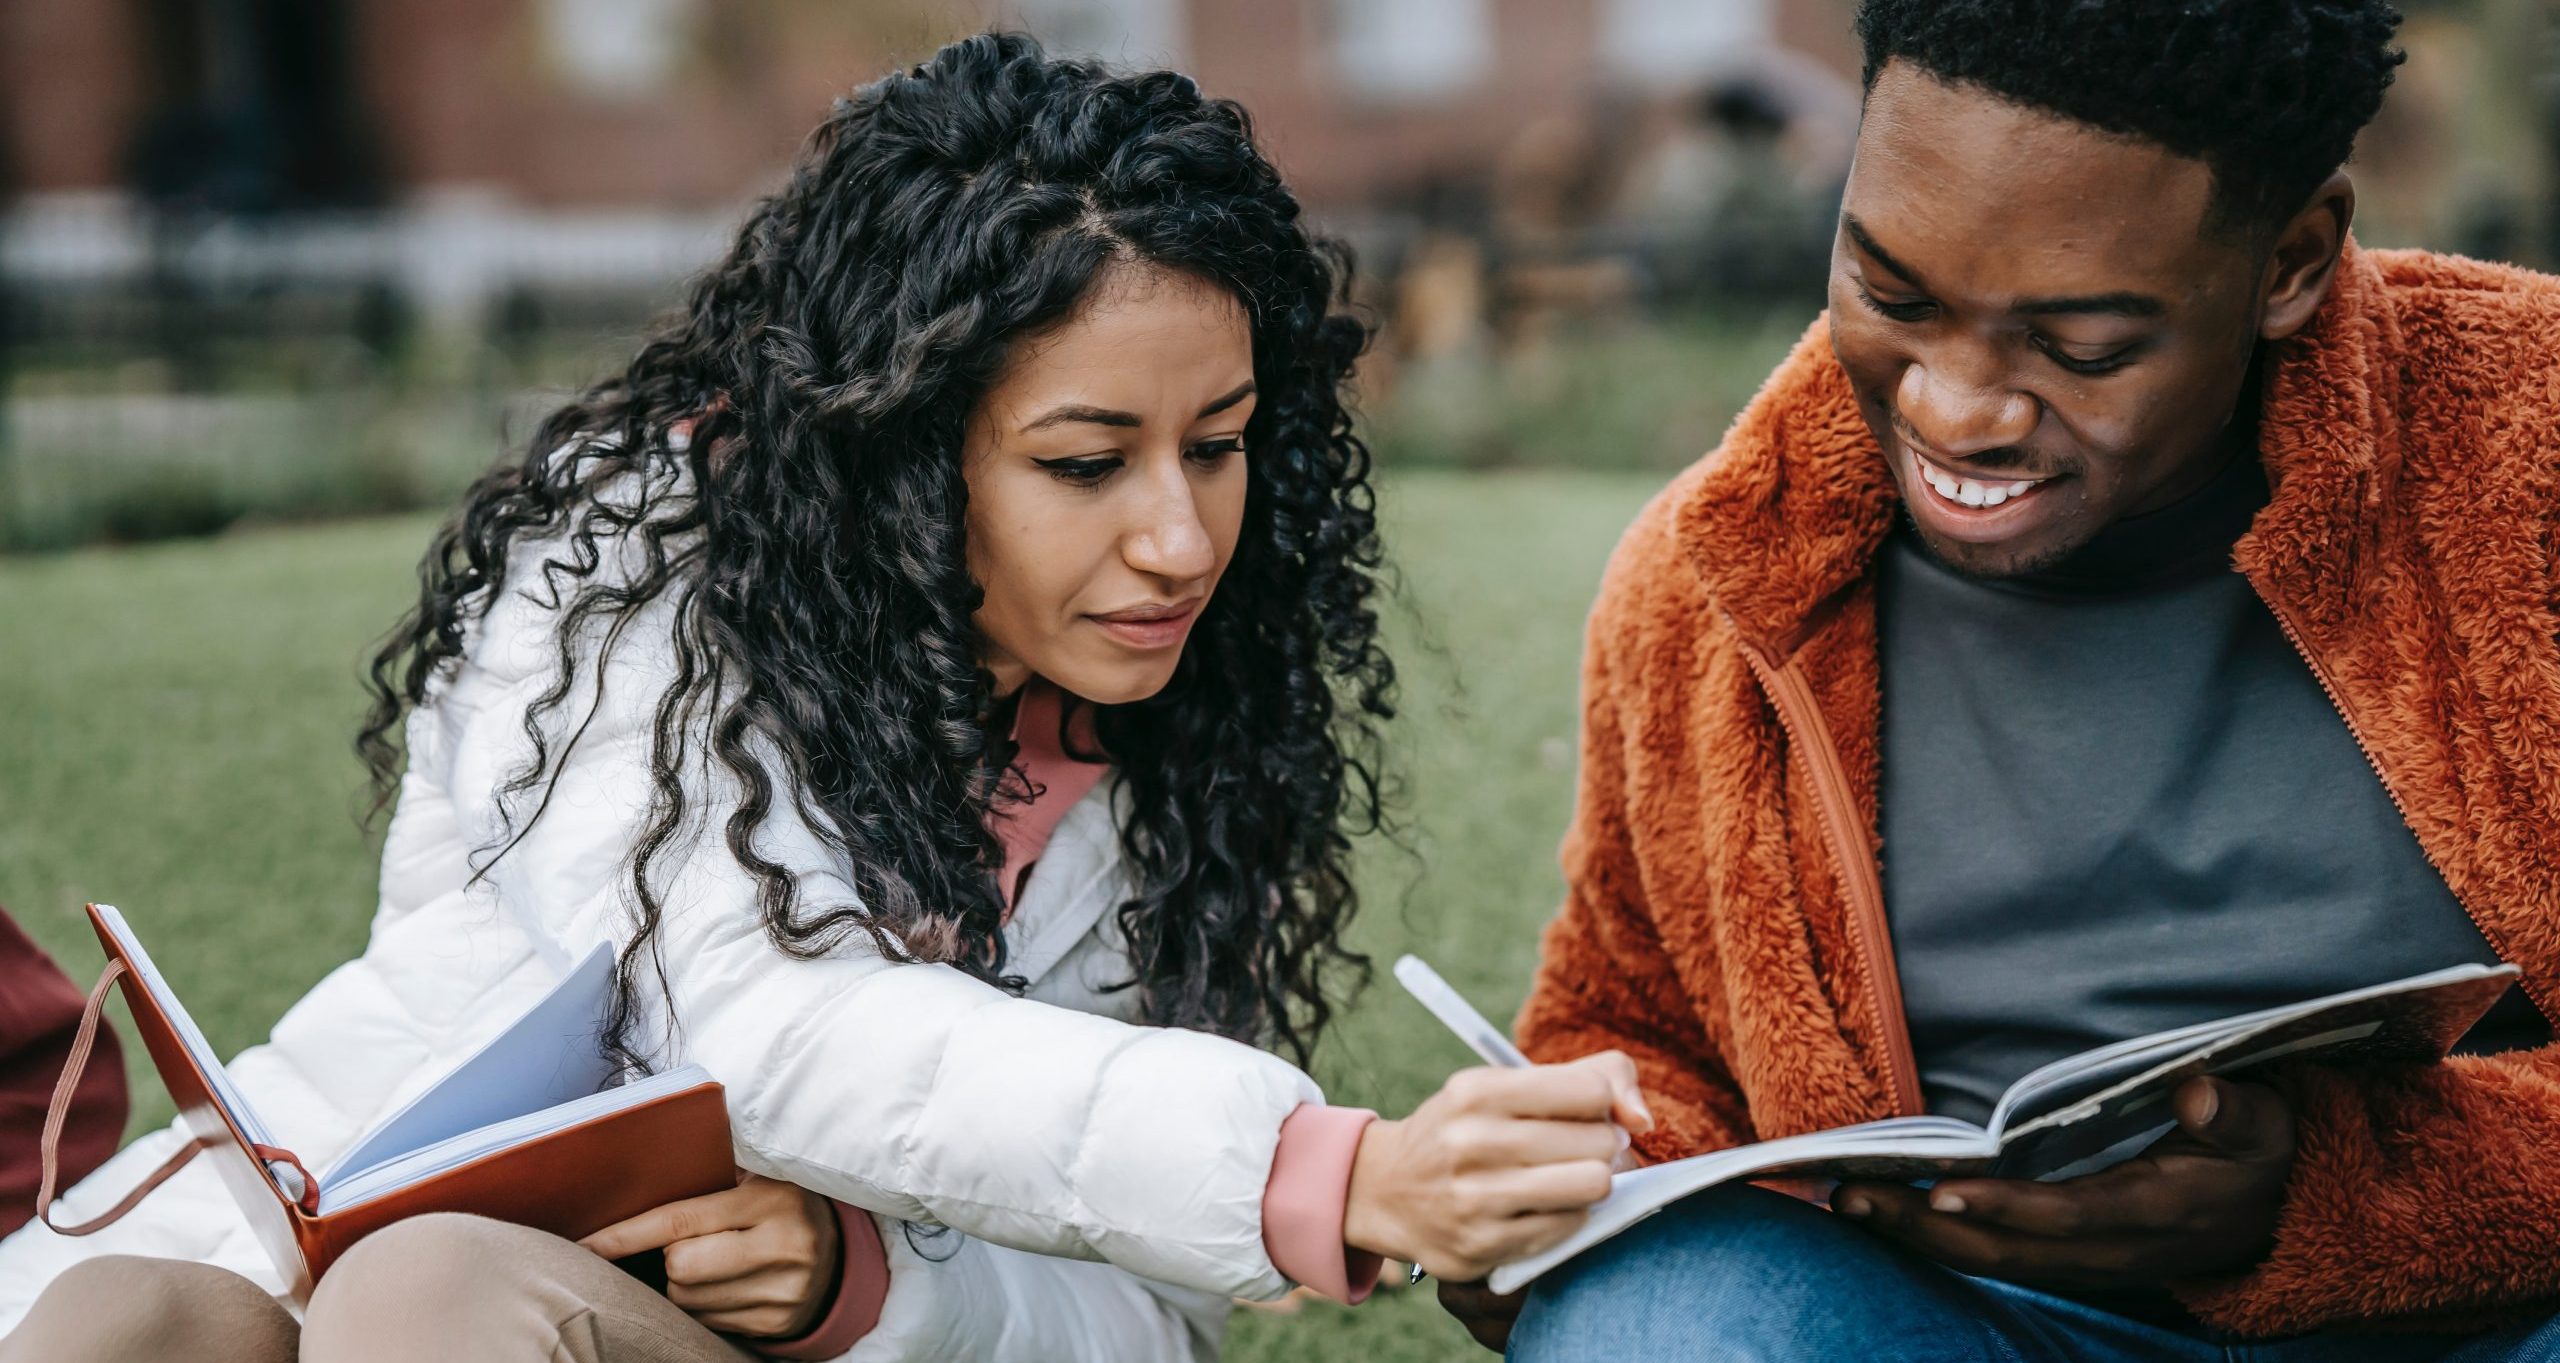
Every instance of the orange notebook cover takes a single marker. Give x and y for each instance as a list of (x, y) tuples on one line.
[(571, 1167)]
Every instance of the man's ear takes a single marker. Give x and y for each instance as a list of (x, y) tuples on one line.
[(2304, 262)]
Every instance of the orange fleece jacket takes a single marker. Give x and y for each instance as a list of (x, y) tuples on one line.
[(1723, 921)]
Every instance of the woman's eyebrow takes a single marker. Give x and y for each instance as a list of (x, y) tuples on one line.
[(1078, 413), (1238, 394), (1074, 413)]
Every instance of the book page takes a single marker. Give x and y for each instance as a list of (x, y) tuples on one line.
[(190, 1036), (2416, 1020), (425, 1162), (1900, 1147), (551, 1055), (2074, 1077)]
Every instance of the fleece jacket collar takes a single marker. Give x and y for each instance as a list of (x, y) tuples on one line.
[(1792, 510)]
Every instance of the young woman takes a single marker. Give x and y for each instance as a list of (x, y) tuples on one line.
[(943, 664)]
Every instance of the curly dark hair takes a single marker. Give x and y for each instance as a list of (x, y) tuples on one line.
[(808, 537), (2269, 93)]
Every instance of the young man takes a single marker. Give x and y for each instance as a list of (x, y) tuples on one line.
[(2131, 605)]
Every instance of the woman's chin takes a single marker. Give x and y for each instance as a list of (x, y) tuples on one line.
[(1121, 685)]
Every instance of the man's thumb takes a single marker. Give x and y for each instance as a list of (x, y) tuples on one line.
[(2239, 1119)]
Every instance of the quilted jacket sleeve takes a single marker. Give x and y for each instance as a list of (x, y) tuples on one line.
[(910, 1090), (2420, 1194), (944, 1290), (1605, 980)]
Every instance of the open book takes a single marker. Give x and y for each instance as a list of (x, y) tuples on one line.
[(2075, 1116), (530, 1129)]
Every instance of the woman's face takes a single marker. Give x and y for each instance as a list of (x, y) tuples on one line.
[(1106, 473)]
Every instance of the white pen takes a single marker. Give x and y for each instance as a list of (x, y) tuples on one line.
[(1456, 1014), (1459, 1016)]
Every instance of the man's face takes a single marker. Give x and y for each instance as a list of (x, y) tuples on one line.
[(2043, 336)]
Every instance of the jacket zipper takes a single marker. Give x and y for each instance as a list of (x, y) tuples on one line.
[(1800, 717), (2320, 674)]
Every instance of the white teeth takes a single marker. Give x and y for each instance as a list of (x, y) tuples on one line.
[(1967, 492)]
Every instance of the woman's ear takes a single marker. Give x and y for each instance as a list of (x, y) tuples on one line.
[(2304, 262)]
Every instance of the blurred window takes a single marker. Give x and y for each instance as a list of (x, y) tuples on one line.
[(1680, 42), (1130, 32), (620, 48), (1411, 50)]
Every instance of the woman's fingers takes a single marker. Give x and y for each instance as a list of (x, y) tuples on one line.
[(717, 1258), (658, 1227), (1542, 1232), (1626, 1095), (1596, 1088), (769, 1287), (1499, 1163), (1535, 1140), (1495, 1243), (1568, 1187), (1565, 1093), (759, 1322)]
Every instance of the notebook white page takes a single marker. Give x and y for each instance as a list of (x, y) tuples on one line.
[(417, 1166), (189, 1035), (551, 1055)]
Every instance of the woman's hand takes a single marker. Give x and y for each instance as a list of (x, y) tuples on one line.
[(1496, 1166), (759, 1260)]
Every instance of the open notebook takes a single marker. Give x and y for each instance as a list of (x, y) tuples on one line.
[(2075, 1116), (530, 1129)]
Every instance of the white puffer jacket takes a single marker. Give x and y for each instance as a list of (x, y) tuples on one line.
[(1104, 1178)]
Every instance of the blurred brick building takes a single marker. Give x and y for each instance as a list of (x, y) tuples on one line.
[(593, 103), (454, 150), (458, 153)]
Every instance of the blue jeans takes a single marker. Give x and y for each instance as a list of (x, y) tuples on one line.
[(1741, 1273)]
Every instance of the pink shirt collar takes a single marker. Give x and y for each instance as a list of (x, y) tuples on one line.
[(1058, 779)]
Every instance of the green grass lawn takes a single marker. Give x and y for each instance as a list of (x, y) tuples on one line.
[(177, 744)]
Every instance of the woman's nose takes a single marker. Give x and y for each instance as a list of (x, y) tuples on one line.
[(1169, 540), (1960, 410)]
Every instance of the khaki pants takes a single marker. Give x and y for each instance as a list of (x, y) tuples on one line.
[(429, 1288)]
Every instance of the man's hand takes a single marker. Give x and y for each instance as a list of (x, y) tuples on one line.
[(1486, 1315), (758, 1260), (2204, 1199)]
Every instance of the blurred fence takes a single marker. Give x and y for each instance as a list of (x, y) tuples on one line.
[(172, 375)]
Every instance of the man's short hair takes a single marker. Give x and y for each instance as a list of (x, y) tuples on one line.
[(2268, 93)]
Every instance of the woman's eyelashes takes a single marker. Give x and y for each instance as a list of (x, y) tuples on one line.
[(1082, 472), (1092, 470), (1211, 453)]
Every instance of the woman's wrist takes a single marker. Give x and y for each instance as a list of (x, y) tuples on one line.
[(1369, 1218)]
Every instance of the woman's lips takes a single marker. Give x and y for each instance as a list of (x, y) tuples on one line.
[(1991, 510), (1150, 627)]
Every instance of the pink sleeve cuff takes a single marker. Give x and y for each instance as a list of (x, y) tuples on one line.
[(859, 1293), (1303, 1203)]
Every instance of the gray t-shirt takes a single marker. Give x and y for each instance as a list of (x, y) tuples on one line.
[(2115, 800)]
